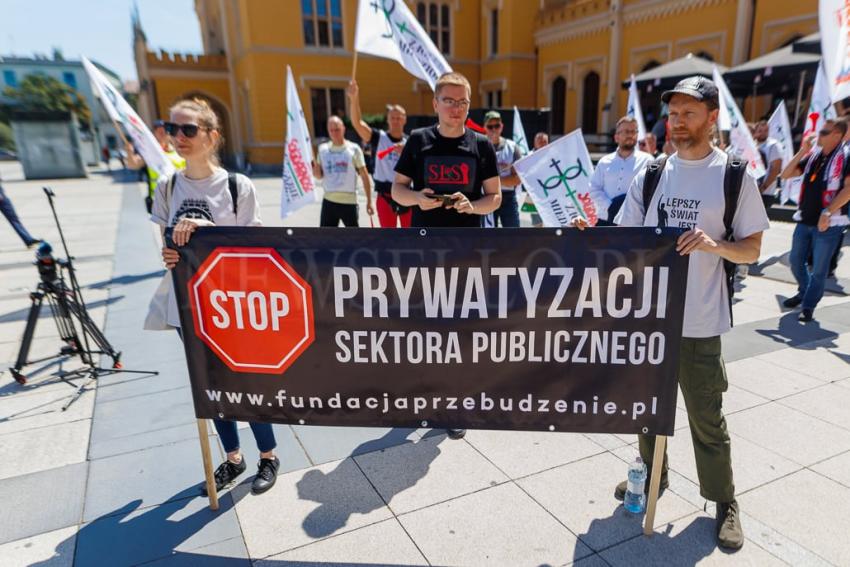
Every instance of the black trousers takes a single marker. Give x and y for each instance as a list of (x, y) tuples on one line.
[(332, 213)]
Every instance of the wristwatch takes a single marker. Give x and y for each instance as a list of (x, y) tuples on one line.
[(826, 212)]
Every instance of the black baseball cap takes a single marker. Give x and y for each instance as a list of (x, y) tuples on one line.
[(700, 88)]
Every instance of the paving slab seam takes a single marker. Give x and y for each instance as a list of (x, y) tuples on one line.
[(760, 535), (133, 396), (533, 499), (387, 504), (831, 424), (303, 447)]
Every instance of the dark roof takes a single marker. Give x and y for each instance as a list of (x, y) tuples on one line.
[(667, 75), (808, 44), (775, 67)]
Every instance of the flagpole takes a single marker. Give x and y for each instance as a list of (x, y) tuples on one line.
[(354, 66)]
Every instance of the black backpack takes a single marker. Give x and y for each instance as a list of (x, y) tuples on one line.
[(733, 180), (231, 186)]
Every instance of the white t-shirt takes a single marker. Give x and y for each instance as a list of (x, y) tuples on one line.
[(207, 199), (690, 195), (772, 151), (613, 176)]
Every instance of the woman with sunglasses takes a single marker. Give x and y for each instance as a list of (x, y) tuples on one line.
[(203, 195)]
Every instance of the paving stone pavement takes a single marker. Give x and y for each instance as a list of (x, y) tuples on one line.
[(114, 479)]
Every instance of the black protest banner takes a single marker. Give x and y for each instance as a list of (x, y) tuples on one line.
[(527, 329)]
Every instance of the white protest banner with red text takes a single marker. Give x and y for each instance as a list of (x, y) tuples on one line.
[(299, 187)]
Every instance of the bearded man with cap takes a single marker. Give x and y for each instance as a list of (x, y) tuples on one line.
[(690, 194)]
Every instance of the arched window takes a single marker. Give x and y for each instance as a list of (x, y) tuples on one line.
[(559, 105), (590, 103)]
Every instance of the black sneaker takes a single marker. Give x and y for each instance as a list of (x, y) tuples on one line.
[(266, 475), (225, 474), (620, 491), (730, 534), (806, 316), (456, 433), (793, 302)]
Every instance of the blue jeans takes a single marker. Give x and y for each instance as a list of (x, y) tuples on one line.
[(508, 212), (229, 434), (807, 239), (9, 212)]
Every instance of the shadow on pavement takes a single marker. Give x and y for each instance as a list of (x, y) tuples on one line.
[(126, 536), (23, 314), (126, 280), (793, 333), (689, 547), (332, 513)]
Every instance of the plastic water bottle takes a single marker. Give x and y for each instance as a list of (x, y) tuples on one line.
[(635, 498)]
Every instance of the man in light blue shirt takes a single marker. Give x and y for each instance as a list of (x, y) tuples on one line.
[(615, 171)]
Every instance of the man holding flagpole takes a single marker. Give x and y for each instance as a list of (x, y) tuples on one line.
[(507, 152), (386, 148)]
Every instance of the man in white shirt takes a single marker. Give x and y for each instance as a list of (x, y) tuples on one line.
[(690, 195), (615, 171), (338, 164)]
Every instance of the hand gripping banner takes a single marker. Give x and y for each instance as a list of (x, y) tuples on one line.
[(525, 329)]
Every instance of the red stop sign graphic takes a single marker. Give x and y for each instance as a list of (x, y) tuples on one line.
[(252, 309)]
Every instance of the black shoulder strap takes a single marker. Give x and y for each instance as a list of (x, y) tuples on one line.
[(733, 180), (169, 191), (651, 179), (234, 192)]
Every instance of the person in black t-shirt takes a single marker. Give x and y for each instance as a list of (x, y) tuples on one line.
[(453, 168), (822, 213), (386, 146)]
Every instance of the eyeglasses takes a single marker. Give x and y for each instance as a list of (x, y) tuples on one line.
[(825, 132), (189, 130), (462, 104), (494, 126)]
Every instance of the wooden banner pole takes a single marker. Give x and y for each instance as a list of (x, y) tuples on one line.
[(354, 66), (204, 437), (654, 483)]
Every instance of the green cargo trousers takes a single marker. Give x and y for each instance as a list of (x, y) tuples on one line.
[(702, 378)]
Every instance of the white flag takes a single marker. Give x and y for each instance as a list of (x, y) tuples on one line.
[(780, 130), (820, 107), (121, 112), (634, 110), (741, 141), (387, 28), (557, 177), (834, 24), (298, 183), (519, 133)]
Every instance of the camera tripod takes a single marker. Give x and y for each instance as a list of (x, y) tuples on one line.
[(76, 329)]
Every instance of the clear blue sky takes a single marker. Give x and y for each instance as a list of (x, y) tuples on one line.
[(98, 29)]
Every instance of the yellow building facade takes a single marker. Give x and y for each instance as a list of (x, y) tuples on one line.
[(568, 55)]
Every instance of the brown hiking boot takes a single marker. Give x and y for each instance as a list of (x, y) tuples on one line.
[(730, 535), (620, 491)]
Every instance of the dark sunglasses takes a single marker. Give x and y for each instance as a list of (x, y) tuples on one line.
[(495, 126), (189, 130), (825, 132)]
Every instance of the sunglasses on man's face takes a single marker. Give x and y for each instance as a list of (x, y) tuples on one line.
[(189, 130), (825, 132), (493, 126)]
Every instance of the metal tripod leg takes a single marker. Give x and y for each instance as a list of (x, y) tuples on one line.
[(37, 298)]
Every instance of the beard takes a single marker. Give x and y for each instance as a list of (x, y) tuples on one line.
[(628, 146)]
